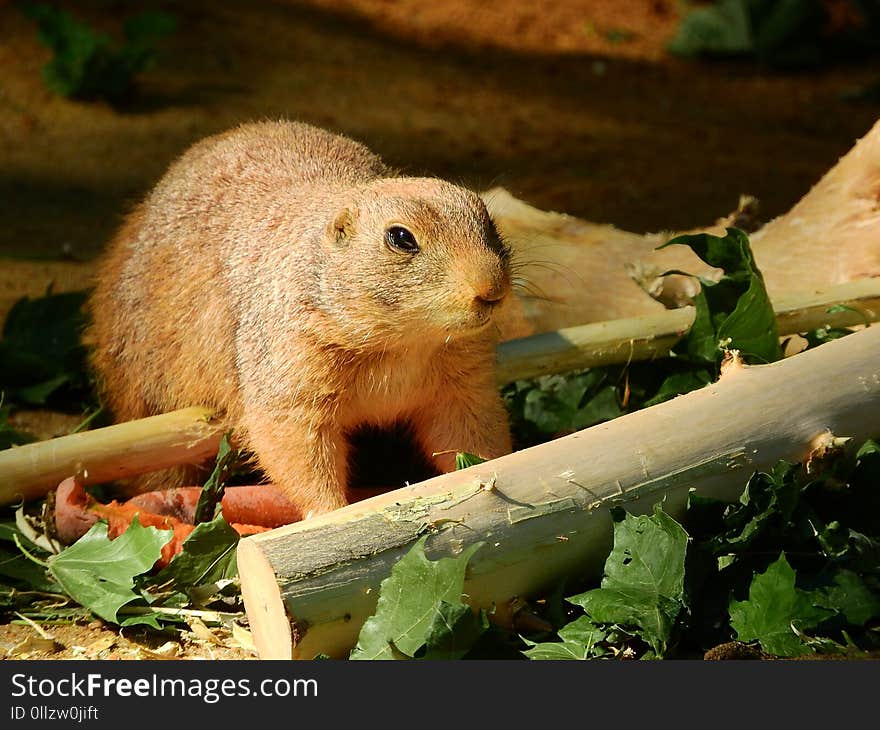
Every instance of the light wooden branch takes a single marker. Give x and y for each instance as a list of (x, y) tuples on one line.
[(187, 436), (654, 335), (543, 512)]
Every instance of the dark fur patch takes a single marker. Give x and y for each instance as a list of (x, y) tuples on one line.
[(387, 457)]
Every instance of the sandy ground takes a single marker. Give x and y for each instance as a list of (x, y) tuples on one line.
[(542, 102)]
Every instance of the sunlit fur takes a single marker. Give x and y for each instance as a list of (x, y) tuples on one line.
[(256, 279)]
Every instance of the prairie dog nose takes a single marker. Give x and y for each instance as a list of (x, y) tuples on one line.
[(492, 289)]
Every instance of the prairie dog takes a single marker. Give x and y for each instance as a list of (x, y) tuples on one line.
[(284, 276)]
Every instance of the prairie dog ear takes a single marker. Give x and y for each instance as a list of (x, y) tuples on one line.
[(342, 227)]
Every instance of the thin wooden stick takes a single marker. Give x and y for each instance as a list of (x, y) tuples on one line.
[(187, 436), (653, 335)]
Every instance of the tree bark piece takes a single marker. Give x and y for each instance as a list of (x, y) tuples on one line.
[(576, 271), (653, 335), (543, 513), (187, 436)]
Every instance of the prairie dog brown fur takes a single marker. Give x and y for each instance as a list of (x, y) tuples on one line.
[(286, 277)]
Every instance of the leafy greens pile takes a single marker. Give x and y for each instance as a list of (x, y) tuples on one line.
[(115, 580)]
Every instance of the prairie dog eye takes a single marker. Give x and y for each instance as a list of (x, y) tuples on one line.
[(400, 239)]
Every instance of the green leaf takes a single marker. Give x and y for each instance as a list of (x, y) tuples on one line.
[(850, 547), (602, 406), (409, 601), (99, 573), (700, 345), (463, 460), (768, 499), (679, 384), (867, 449), (643, 586), (25, 569), (38, 394), (153, 620), (821, 335), (454, 630), (207, 555), (211, 496), (851, 596), (580, 641), (774, 609), (734, 312), (25, 572), (751, 327)]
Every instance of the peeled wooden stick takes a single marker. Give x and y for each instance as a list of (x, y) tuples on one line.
[(543, 513), (854, 303), (653, 335), (187, 436)]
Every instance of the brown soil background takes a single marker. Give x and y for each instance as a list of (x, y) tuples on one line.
[(534, 97), (573, 106)]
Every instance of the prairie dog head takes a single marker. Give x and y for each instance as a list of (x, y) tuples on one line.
[(412, 260)]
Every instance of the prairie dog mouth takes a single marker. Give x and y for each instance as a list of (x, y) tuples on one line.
[(468, 321)]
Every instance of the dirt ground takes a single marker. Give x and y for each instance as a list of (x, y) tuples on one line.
[(573, 106)]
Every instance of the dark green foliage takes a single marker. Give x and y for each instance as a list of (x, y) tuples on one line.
[(783, 33), (88, 64), (115, 579), (559, 403), (733, 312), (784, 566), (764, 569), (17, 570), (41, 357), (827, 528), (776, 612), (42, 360)]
